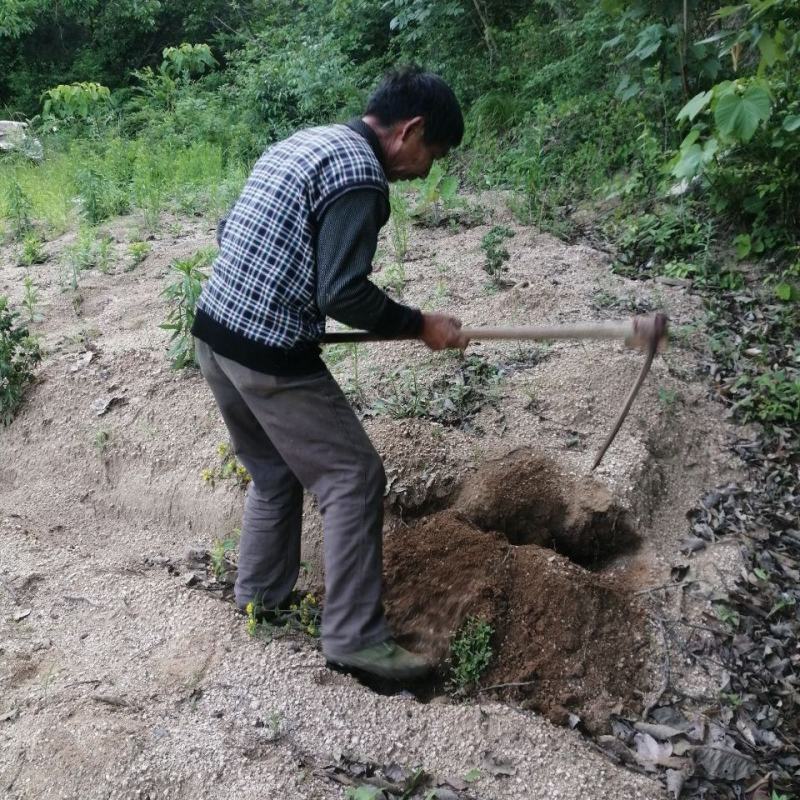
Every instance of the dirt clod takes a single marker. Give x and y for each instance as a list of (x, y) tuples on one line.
[(566, 641)]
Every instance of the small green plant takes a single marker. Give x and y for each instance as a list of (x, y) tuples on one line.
[(89, 251), (229, 469), (452, 399), (434, 194), (393, 278), (138, 252), (252, 620), (302, 616), (19, 354), (32, 252), (18, 210), (727, 615), (220, 551), (772, 397), (470, 653), (181, 296), (494, 250), (30, 298), (668, 397)]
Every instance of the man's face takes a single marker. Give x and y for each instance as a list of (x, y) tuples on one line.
[(408, 155)]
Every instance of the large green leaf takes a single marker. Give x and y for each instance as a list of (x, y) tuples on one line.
[(695, 105), (737, 116)]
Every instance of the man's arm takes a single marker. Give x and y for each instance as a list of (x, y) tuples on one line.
[(346, 244)]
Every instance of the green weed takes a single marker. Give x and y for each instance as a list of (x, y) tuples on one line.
[(182, 295), (494, 250), (470, 653), (18, 209), (220, 553), (32, 252), (30, 298), (19, 354), (138, 252), (452, 399), (229, 469)]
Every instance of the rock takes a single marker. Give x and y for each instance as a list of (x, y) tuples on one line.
[(14, 136)]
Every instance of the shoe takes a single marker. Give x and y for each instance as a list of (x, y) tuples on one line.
[(385, 660)]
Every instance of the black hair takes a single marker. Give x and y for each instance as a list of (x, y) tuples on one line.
[(410, 92)]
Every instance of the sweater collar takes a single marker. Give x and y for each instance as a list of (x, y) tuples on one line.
[(361, 127)]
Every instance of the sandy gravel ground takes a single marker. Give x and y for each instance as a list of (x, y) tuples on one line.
[(117, 680)]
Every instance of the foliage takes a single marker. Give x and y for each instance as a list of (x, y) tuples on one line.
[(451, 399), (470, 653), (82, 100), (229, 469), (31, 252), (495, 252), (18, 209), (303, 615), (30, 298), (19, 354), (187, 61), (220, 552), (182, 295), (434, 194), (138, 251), (89, 251)]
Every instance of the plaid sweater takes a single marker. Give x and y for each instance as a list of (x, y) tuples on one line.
[(259, 306)]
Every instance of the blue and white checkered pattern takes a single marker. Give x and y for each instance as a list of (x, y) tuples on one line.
[(263, 285)]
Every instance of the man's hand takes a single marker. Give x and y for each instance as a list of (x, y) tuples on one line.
[(441, 331)]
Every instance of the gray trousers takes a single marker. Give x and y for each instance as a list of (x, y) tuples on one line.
[(293, 433)]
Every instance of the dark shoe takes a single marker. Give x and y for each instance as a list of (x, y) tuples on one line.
[(385, 660)]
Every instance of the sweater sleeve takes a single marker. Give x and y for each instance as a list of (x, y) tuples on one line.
[(346, 242)]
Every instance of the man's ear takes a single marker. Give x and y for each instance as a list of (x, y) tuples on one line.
[(412, 127)]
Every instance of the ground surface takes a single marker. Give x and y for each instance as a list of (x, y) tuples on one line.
[(120, 680)]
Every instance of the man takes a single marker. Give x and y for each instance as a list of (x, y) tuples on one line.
[(297, 247)]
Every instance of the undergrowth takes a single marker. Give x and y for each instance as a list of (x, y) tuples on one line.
[(19, 354)]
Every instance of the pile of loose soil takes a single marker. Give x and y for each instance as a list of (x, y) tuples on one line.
[(566, 640)]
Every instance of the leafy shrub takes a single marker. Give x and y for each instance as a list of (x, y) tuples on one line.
[(495, 251), (19, 354), (182, 295), (77, 100), (470, 653)]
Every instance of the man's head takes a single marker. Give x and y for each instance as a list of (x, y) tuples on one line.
[(417, 118)]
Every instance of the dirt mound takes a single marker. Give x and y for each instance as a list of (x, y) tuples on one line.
[(525, 497), (565, 640)]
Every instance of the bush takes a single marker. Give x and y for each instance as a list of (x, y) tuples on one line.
[(19, 354)]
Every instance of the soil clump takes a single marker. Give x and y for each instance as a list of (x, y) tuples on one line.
[(566, 641)]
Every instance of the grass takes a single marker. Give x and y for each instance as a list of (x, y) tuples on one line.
[(450, 399), (98, 179)]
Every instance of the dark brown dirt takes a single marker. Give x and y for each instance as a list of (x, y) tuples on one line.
[(573, 639), (525, 496)]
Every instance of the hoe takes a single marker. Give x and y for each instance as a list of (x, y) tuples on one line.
[(648, 334)]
